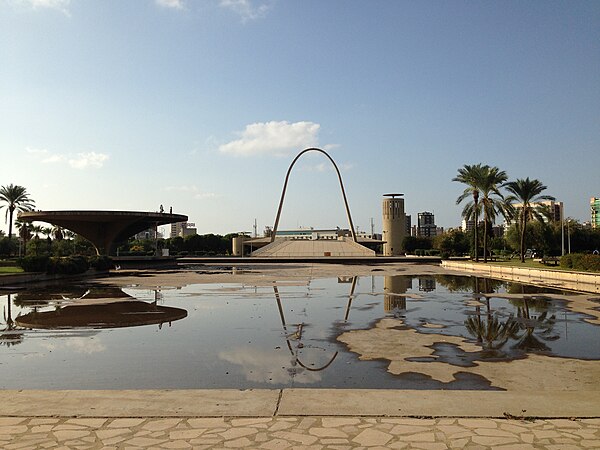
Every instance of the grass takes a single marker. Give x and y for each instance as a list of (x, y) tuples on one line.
[(7, 270)]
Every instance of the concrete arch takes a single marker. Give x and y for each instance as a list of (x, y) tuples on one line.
[(287, 177)]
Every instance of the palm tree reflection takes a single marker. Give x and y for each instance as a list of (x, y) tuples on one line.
[(491, 333), (533, 326), (10, 335)]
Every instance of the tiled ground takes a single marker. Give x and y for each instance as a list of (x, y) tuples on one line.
[(297, 432)]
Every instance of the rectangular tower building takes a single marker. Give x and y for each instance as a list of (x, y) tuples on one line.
[(595, 212)]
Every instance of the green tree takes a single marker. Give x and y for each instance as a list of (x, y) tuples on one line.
[(16, 199), (472, 176), (412, 243), (492, 200), (453, 243), (528, 194)]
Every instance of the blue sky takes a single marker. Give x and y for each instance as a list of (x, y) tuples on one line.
[(202, 105)]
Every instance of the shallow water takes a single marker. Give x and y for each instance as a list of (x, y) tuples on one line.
[(242, 336)]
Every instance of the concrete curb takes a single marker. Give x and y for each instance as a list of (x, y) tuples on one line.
[(577, 281), (299, 402)]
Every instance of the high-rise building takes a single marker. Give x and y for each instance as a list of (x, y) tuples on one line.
[(426, 224), (554, 209), (468, 225), (595, 212), (394, 227), (183, 229)]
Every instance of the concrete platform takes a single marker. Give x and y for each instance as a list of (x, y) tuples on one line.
[(298, 402)]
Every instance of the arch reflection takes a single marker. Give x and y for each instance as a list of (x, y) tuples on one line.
[(297, 334)]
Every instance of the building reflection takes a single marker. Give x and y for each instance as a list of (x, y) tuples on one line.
[(93, 307), (394, 288), (427, 284)]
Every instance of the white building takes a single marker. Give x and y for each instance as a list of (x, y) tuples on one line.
[(183, 229)]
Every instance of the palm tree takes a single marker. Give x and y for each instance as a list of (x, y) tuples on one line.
[(58, 233), (36, 230), (492, 200), (16, 198), (527, 194), (472, 176), (24, 234)]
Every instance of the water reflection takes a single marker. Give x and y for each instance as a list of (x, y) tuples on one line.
[(10, 335), (82, 307), (394, 288), (288, 333), (104, 315)]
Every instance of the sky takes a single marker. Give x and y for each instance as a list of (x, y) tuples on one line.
[(201, 105)]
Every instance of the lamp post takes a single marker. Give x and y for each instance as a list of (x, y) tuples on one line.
[(562, 230)]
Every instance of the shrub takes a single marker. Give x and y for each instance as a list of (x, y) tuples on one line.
[(34, 263), (68, 265), (581, 261), (101, 262)]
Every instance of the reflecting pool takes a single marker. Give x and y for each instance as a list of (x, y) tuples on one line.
[(288, 333)]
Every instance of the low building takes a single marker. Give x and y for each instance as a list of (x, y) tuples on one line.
[(150, 233)]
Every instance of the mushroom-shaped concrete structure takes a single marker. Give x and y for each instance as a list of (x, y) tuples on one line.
[(103, 228)]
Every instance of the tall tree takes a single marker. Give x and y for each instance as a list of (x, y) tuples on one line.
[(526, 194), (472, 176), (16, 198), (492, 200)]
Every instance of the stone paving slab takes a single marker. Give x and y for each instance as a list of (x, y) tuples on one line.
[(297, 433), (463, 403)]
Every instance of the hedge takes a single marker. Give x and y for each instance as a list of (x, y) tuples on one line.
[(67, 265), (581, 261)]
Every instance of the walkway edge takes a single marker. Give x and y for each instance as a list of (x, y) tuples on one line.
[(299, 402)]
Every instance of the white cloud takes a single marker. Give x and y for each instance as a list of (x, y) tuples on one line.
[(327, 167), (246, 9), (175, 4), (85, 345), (88, 160), (181, 188), (91, 160), (273, 138), (263, 366), (36, 151), (192, 189), (53, 159), (58, 5)]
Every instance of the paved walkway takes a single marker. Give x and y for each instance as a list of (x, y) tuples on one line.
[(298, 418), (297, 433)]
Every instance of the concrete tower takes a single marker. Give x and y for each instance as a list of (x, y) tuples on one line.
[(394, 227)]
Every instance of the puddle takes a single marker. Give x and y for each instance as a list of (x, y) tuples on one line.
[(289, 333)]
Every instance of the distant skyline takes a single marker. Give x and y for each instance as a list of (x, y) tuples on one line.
[(202, 105)]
